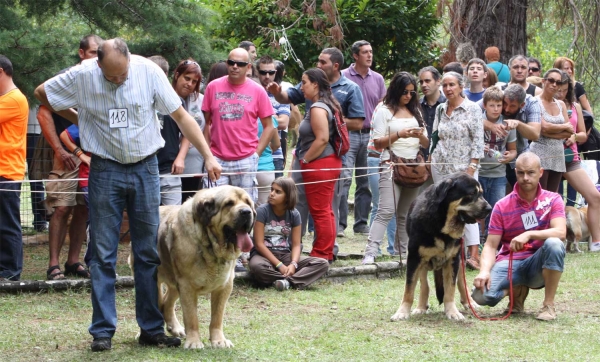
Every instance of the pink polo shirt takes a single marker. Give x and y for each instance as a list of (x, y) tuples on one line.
[(235, 111), (513, 215)]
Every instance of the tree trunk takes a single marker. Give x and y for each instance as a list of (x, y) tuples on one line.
[(485, 23)]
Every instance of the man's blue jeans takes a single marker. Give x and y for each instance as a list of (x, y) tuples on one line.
[(112, 188), (526, 272), (373, 163), (494, 188), (11, 239), (356, 157)]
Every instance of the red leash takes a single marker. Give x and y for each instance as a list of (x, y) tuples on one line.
[(510, 283)]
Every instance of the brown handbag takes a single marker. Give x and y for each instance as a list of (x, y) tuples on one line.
[(410, 173)]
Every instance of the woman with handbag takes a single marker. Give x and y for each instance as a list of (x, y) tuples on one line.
[(458, 129), (399, 129)]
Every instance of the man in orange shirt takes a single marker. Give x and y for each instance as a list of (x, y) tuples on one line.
[(14, 112)]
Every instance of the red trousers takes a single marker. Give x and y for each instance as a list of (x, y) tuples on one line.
[(319, 197)]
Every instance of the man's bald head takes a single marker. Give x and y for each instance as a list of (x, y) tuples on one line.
[(113, 59), (240, 54), (530, 159), (237, 72)]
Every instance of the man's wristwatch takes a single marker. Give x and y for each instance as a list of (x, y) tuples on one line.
[(304, 161), (294, 264), (473, 166)]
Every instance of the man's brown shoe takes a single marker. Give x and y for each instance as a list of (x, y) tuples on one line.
[(548, 313), (520, 292)]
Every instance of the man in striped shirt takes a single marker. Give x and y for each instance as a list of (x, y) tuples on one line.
[(529, 222), (116, 98)]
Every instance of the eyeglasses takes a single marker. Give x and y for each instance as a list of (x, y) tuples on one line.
[(265, 72), (534, 69), (406, 92), (554, 81), (234, 62), (186, 62)]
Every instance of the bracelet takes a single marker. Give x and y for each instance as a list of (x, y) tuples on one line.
[(575, 134), (79, 153), (294, 264), (278, 265), (77, 149), (473, 165), (398, 134)]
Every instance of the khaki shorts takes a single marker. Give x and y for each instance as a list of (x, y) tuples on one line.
[(62, 193)]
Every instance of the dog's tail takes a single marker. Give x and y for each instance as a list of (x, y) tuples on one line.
[(438, 279)]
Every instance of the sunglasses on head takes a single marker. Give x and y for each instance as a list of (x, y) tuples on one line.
[(265, 72), (554, 81), (234, 62), (186, 62), (534, 69), (406, 92)]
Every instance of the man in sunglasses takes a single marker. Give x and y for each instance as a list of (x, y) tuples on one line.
[(349, 95), (266, 74), (117, 97), (232, 107), (519, 71), (535, 67)]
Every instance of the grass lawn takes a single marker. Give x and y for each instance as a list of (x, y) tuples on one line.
[(330, 322)]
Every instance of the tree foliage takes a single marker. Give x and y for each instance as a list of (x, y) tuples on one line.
[(42, 37), (400, 31)]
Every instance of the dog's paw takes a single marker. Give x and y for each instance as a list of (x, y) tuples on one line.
[(193, 343), (473, 304), (419, 310), (455, 315), (402, 313), (176, 330), (223, 343)]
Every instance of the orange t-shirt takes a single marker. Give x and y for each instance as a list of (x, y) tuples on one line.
[(14, 112)]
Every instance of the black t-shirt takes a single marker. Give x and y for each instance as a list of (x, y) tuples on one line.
[(172, 135), (61, 123), (579, 90)]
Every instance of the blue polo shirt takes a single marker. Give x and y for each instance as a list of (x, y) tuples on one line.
[(346, 92)]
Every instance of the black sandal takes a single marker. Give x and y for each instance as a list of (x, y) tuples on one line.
[(73, 270), (55, 276)]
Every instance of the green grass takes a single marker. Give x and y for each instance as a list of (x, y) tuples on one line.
[(330, 322)]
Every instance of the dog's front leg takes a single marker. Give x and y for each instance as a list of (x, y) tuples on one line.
[(218, 300), (189, 300), (463, 290), (412, 272), (449, 272), (423, 305)]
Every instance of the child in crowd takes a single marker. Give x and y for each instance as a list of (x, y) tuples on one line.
[(275, 258), (476, 73), (498, 151), (70, 138)]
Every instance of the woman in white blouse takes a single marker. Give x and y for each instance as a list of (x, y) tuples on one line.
[(397, 124), (459, 126)]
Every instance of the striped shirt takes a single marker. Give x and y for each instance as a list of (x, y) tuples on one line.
[(512, 212), (116, 122)]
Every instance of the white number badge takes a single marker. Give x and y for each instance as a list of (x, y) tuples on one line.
[(529, 220), (117, 118)]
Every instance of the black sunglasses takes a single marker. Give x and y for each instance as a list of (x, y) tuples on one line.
[(412, 93), (234, 62), (534, 69), (554, 81), (265, 72)]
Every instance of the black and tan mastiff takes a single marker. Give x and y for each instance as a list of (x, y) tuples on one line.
[(198, 244), (435, 224)]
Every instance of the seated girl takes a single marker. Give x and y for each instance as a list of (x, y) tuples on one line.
[(275, 258)]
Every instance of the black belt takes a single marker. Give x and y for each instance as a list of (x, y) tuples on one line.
[(364, 130), (373, 154)]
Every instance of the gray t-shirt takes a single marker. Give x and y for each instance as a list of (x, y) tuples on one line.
[(490, 167), (307, 136), (278, 230)]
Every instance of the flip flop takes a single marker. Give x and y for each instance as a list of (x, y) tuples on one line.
[(55, 276)]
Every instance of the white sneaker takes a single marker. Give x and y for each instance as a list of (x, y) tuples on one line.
[(595, 246), (368, 259), (281, 284)]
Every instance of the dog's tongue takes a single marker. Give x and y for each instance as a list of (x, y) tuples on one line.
[(244, 243)]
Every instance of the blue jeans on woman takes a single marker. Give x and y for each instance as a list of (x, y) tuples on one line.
[(11, 238), (373, 171), (114, 187)]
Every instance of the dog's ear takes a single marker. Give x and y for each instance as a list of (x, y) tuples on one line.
[(205, 210), (441, 191)]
